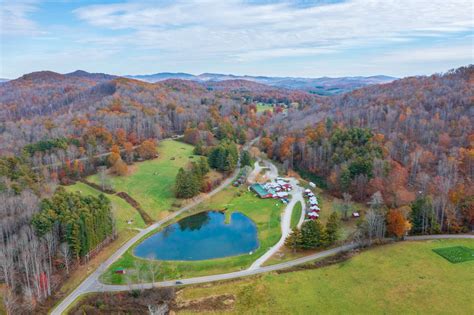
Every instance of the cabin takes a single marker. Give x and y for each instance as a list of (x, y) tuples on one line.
[(261, 191), (313, 215)]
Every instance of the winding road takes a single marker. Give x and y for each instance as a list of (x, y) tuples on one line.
[(92, 283)]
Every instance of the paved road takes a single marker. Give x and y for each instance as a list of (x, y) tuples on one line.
[(297, 196), (92, 281), (250, 272), (92, 284)]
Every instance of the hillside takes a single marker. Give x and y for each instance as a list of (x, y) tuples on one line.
[(407, 139), (319, 86)]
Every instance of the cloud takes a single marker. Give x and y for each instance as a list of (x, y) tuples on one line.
[(241, 30), (14, 16), (463, 53)]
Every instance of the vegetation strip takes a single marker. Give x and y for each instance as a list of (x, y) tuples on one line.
[(136, 205)]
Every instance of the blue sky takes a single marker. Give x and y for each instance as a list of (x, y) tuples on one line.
[(279, 38)]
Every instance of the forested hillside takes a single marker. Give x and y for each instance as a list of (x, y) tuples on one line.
[(404, 141), (406, 148)]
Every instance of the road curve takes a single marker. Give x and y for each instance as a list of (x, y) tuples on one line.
[(92, 281), (297, 196)]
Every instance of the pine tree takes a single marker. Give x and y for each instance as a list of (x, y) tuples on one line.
[(203, 165), (294, 240), (312, 234), (333, 228), (180, 183), (245, 159)]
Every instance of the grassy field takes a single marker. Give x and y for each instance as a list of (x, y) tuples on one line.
[(151, 182), (402, 278), (121, 209), (265, 214), (261, 107), (296, 214)]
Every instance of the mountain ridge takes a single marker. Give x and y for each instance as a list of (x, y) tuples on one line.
[(320, 86)]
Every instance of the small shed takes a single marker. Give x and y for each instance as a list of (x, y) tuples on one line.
[(120, 271)]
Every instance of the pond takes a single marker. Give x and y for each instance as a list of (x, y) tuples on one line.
[(202, 236)]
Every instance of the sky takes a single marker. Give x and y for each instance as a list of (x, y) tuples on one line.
[(276, 38)]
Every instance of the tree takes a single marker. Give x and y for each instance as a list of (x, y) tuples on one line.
[(294, 240), (333, 226), (397, 224), (312, 234), (128, 147), (66, 254), (147, 150), (113, 158), (187, 184), (203, 165), (120, 168), (245, 159)]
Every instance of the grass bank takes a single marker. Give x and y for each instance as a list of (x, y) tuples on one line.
[(265, 214)]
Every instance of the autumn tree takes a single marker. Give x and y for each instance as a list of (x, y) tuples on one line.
[(147, 150), (397, 224), (120, 168)]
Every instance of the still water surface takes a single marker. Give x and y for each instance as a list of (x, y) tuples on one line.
[(205, 235)]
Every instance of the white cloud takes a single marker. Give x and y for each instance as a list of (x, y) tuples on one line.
[(464, 52), (235, 29), (14, 17)]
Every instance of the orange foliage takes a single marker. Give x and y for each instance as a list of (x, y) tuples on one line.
[(397, 224), (147, 150)]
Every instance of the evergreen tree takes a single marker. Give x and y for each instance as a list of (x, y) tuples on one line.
[(203, 165), (333, 226), (312, 234), (294, 240), (245, 159)]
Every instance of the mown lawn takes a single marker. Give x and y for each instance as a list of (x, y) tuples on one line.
[(121, 209), (296, 214), (265, 214), (151, 182), (402, 278)]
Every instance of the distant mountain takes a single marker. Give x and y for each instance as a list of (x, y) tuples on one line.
[(3, 80), (91, 76), (152, 78), (319, 86)]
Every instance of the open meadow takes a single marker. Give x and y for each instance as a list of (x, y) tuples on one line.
[(123, 212), (151, 182), (400, 278)]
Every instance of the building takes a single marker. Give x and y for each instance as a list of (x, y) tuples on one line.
[(261, 191)]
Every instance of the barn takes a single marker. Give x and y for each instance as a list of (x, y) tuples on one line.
[(261, 191)]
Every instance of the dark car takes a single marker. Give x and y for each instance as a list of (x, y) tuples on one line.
[(178, 282)]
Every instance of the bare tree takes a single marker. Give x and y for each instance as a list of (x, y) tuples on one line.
[(153, 267), (65, 252)]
